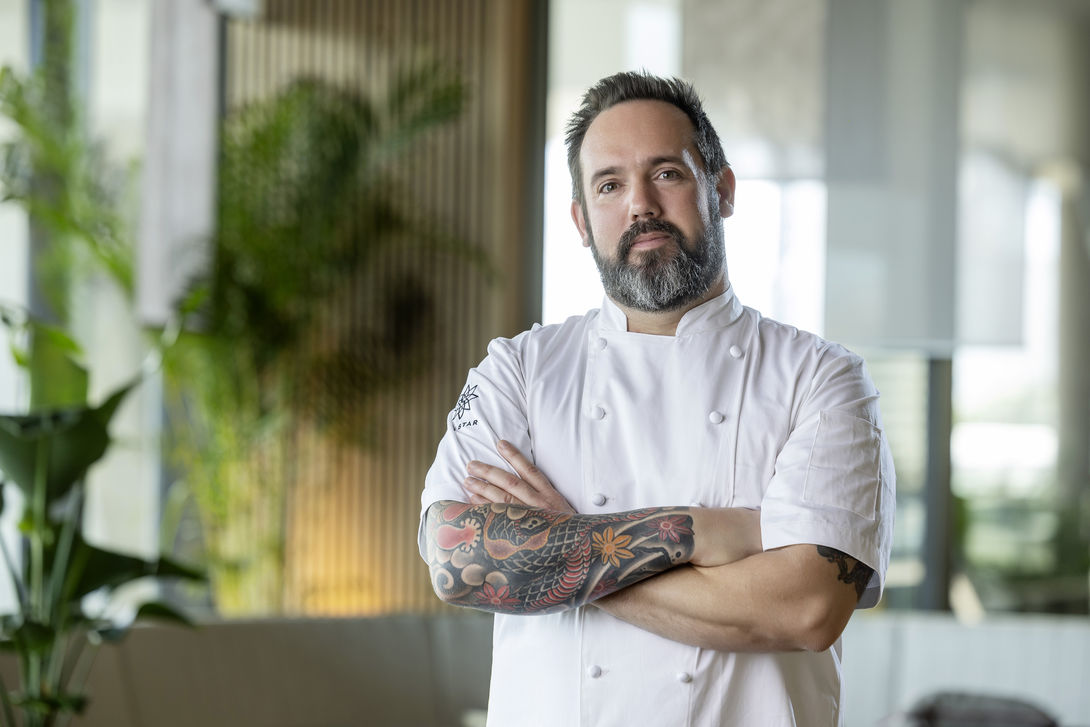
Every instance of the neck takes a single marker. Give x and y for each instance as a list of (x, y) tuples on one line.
[(664, 323)]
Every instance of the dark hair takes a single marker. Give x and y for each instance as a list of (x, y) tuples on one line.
[(633, 86)]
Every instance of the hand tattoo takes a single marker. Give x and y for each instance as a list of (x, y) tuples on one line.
[(515, 559), (852, 571)]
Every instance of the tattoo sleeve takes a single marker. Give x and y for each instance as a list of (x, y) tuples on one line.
[(518, 560), (851, 571)]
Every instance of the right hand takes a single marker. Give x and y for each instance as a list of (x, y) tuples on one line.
[(487, 483), (725, 535)]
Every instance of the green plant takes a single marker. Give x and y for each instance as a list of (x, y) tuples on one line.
[(54, 171), (72, 196), (46, 455), (308, 308), (61, 178), (312, 219)]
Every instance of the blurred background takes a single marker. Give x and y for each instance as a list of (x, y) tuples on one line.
[(318, 213)]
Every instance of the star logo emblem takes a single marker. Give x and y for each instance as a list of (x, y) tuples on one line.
[(468, 395)]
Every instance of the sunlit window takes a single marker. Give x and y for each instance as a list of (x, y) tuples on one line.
[(1005, 438), (916, 292)]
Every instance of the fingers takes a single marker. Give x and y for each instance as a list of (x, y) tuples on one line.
[(481, 492), (526, 469), (546, 495), (529, 487), (495, 484)]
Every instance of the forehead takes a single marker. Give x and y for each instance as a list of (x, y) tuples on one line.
[(636, 131)]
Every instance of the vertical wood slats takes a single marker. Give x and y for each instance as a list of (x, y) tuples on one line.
[(351, 514)]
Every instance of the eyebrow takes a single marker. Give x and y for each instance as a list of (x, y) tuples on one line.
[(654, 162), (606, 172)]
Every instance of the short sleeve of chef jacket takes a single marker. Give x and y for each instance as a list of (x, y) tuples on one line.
[(834, 481), (493, 401)]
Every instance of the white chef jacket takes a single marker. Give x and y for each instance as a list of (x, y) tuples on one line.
[(735, 410)]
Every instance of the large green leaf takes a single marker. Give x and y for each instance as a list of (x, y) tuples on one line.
[(49, 355), (56, 379), (75, 438), (160, 611), (94, 568)]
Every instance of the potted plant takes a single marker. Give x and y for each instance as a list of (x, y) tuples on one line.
[(303, 313), (63, 584), (45, 456)]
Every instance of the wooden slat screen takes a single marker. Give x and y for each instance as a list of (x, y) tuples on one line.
[(350, 513)]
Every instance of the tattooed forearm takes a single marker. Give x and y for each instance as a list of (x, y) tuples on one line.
[(852, 571), (513, 559)]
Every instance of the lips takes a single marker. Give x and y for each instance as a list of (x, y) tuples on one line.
[(651, 240), (648, 235)]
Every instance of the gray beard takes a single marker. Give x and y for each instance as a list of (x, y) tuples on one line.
[(662, 280)]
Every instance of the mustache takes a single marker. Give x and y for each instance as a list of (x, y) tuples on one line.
[(642, 227)]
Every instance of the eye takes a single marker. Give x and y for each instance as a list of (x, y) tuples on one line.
[(607, 188), (669, 174)]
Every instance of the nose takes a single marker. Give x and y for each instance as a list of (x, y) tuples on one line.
[(643, 202)]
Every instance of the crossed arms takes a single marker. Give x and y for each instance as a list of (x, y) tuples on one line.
[(694, 575)]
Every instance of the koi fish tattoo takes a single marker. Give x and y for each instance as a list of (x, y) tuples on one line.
[(852, 571), (514, 559)]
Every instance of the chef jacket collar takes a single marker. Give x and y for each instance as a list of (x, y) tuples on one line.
[(711, 315)]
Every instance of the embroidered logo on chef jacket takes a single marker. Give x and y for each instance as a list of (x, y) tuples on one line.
[(464, 405)]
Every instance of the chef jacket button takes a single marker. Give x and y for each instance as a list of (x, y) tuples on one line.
[(735, 352), (598, 412), (594, 671), (602, 343), (715, 417), (599, 499), (684, 677)]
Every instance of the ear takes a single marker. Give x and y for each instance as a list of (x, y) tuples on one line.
[(725, 188), (580, 222)]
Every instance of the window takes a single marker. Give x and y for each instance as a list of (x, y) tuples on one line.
[(919, 211)]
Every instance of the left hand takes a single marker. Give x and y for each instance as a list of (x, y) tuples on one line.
[(486, 483)]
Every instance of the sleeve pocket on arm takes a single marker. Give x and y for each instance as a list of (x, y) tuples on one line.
[(844, 469)]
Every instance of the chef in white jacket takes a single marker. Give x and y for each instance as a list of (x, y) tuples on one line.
[(673, 504)]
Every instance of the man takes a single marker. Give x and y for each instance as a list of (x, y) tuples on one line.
[(673, 504)]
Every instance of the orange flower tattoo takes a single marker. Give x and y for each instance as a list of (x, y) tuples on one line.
[(610, 547)]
